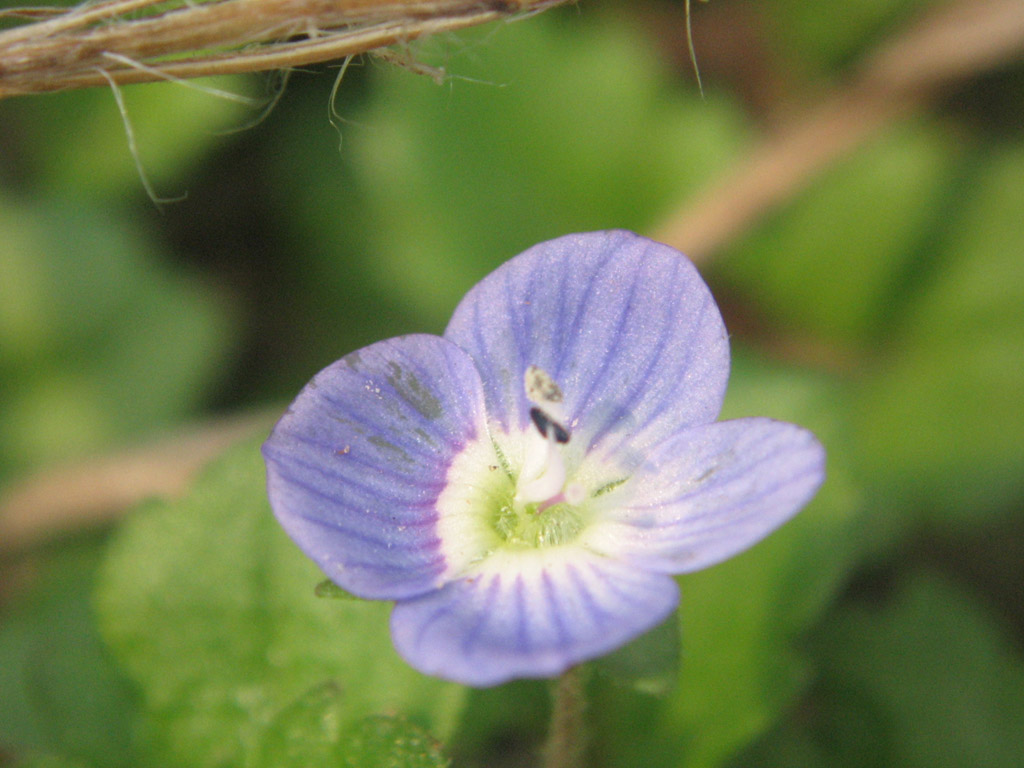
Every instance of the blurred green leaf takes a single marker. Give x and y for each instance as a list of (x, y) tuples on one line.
[(313, 732), (507, 722), (824, 41), (833, 259), (941, 423), (739, 623), (49, 761), (98, 339), (541, 129), (68, 273), (211, 609), (932, 673), (649, 664), (59, 691), (329, 589), (175, 126), (740, 620)]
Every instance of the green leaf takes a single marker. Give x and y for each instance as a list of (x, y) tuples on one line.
[(382, 742), (329, 589), (312, 733), (59, 691), (649, 664), (543, 128), (49, 761), (940, 424), (825, 41), (740, 620), (509, 720), (98, 340), (174, 127), (931, 670), (835, 259), (211, 609)]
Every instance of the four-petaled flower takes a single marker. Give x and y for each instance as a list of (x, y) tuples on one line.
[(525, 487)]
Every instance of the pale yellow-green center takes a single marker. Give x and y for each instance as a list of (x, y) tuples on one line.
[(483, 510)]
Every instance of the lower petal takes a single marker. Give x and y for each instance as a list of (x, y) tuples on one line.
[(710, 493), (533, 613)]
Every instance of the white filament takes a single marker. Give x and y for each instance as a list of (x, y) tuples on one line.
[(543, 474)]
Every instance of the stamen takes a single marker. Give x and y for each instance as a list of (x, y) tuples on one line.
[(542, 421), (543, 475), (540, 387)]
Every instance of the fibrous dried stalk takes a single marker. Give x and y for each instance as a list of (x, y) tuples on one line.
[(134, 41)]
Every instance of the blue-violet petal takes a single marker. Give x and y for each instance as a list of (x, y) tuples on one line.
[(624, 325), (709, 493), (355, 467), (530, 614)]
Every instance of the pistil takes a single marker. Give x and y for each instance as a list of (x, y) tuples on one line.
[(543, 474)]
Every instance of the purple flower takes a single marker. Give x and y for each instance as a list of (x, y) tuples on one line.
[(525, 487)]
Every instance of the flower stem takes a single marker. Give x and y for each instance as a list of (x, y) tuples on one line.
[(567, 738)]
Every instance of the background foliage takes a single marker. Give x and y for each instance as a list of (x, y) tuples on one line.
[(880, 306)]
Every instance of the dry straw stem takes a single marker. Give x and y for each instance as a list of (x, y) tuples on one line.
[(134, 41), (951, 43)]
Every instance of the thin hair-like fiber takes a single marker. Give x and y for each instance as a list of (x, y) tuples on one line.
[(159, 75), (692, 50), (133, 146), (333, 117)]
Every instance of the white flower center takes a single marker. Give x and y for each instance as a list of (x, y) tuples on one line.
[(518, 491)]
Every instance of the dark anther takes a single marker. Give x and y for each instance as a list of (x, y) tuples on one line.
[(542, 421)]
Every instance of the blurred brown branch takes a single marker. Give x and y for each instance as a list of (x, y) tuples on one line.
[(953, 42), (134, 41), (62, 499)]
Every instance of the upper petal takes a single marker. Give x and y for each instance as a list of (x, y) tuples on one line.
[(624, 325), (709, 493), (532, 613), (355, 467)]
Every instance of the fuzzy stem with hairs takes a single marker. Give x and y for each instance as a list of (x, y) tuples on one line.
[(567, 738)]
